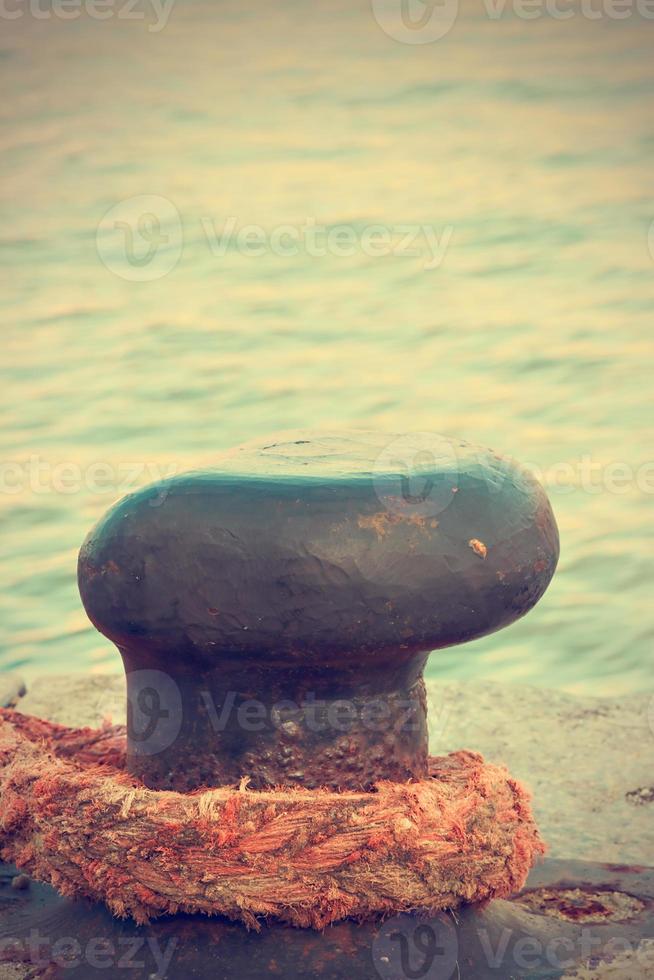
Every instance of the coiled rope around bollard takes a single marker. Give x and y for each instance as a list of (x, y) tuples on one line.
[(72, 816)]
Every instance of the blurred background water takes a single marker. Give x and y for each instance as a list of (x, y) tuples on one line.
[(528, 142)]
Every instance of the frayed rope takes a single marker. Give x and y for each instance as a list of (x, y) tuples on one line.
[(70, 815)]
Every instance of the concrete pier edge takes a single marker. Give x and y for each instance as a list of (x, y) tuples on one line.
[(588, 761)]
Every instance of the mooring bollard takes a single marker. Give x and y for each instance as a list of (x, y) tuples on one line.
[(274, 614)]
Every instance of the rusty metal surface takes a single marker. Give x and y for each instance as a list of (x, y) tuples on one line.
[(292, 728), (507, 940)]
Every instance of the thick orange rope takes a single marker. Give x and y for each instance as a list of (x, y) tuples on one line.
[(69, 815)]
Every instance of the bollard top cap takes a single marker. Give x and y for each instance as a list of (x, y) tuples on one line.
[(315, 547)]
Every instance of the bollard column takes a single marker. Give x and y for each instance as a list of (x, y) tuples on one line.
[(275, 613)]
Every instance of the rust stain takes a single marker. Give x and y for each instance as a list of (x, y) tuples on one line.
[(478, 547), (383, 520), (581, 904)]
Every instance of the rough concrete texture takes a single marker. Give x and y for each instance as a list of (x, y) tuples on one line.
[(15, 971), (76, 700), (12, 687), (629, 964), (588, 761)]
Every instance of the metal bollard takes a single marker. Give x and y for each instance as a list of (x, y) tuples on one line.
[(275, 613)]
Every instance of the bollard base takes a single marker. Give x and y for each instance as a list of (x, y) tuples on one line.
[(605, 913)]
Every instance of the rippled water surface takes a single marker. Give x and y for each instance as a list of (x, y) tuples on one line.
[(528, 143)]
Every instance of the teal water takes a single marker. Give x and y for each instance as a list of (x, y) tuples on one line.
[(526, 146)]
